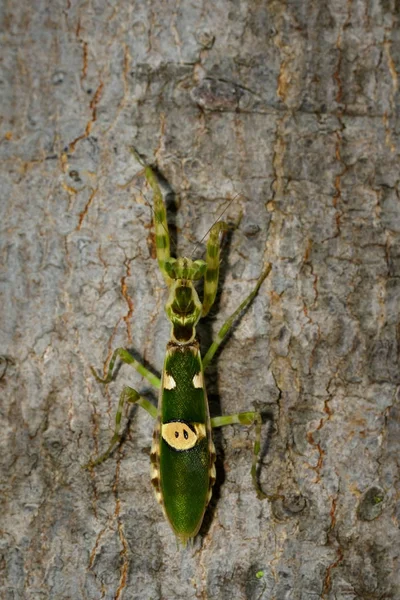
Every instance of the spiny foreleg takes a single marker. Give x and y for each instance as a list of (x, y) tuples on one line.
[(212, 260), (160, 217)]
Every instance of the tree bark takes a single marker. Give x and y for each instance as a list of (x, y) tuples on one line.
[(290, 110)]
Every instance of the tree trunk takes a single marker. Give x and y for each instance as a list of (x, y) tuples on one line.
[(291, 111)]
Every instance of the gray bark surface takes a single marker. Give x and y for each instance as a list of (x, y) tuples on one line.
[(292, 109)]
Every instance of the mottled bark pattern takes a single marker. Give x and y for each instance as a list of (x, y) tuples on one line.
[(292, 107)]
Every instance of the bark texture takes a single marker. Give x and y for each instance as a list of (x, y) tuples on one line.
[(295, 107)]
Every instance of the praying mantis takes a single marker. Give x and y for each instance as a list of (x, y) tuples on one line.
[(183, 454)]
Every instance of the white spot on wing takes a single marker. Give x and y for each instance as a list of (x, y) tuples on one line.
[(169, 382), (198, 380)]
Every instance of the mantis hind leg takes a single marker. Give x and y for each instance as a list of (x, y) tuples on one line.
[(127, 395), (246, 418), (229, 322)]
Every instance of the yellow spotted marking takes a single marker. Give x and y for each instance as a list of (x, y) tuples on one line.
[(213, 473), (169, 382), (198, 380), (153, 472), (200, 429), (180, 436), (158, 497), (154, 463)]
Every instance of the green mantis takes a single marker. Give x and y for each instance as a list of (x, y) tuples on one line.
[(183, 454)]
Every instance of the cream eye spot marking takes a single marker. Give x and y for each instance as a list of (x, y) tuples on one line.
[(182, 436)]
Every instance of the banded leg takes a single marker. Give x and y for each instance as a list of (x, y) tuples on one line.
[(160, 218), (128, 395), (246, 418), (229, 322), (212, 271), (127, 358)]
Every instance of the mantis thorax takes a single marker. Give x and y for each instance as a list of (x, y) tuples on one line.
[(183, 307)]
